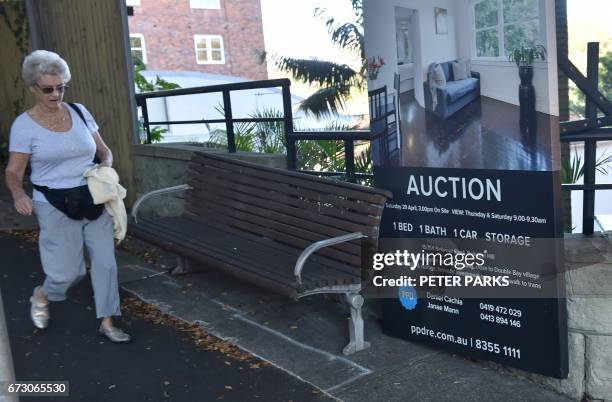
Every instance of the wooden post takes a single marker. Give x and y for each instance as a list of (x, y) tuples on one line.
[(229, 123), (590, 146), (349, 157), (92, 36), (14, 45), (288, 120)]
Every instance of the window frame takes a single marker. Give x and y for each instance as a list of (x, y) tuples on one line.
[(142, 48), (217, 6), (208, 38), (501, 24)]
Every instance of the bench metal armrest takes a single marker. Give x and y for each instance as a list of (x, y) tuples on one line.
[(150, 194), (299, 265)]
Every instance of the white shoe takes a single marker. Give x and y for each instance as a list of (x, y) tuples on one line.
[(114, 334), (39, 310)]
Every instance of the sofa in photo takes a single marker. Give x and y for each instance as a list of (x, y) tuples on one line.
[(450, 94)]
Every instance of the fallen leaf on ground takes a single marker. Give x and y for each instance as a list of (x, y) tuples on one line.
[(141, 310)]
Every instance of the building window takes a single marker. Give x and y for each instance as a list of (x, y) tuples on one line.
[(209, 49), (137, 45), (208, 4), (132, 3), (504, 24)]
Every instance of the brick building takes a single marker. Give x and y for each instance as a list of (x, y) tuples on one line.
[(210, 36)]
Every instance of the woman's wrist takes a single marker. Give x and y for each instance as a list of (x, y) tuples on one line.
[(19, 195)]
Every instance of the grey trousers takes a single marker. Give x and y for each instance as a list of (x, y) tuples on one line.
[(61, 252)]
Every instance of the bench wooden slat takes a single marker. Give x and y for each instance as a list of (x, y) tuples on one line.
[(251, 192), (270, 233), (315, 275), (266, 220), (291, 252), (307, 181), (280, 212), (287, 206), (265, 187)]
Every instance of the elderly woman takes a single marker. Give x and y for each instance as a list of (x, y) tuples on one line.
[(60, 140)]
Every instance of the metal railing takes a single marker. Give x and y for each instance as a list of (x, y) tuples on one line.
[(590, 130), (229, 120), (291, 136), (348, 137)]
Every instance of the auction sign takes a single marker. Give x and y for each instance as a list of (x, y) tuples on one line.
[(471, 255)]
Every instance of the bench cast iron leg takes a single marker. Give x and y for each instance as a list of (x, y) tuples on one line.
[(357, 341), (182, 266)]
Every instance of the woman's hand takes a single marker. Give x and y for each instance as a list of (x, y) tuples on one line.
[(14, 181), (103, 152), (23, 204)]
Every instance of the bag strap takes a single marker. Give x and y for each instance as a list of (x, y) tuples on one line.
[(78, 111), (42, 189)]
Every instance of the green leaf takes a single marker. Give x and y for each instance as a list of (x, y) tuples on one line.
[(335, 80), (326, 101), (312, 71)]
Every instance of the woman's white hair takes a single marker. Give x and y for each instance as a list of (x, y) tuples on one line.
[(42, 62)]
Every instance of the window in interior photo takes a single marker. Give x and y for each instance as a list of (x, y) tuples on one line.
[(404, 44), (137, 46), (504, 24), (209, 49)]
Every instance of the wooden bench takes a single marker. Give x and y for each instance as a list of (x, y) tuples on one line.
[(291, 233)]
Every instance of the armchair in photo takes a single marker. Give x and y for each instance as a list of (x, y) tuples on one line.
[(446, 96)]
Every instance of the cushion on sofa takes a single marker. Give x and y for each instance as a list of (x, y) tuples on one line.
[(438, 76), (456, 89), (459, 70)]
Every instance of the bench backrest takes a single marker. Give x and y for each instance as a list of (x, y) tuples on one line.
[(287, 207)]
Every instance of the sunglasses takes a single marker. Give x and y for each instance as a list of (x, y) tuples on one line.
[(49, 90)]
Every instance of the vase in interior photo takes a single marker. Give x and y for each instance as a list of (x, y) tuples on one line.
[(524, 56), (528, 121)]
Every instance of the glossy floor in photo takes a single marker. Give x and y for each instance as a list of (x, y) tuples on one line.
[(485, 134)]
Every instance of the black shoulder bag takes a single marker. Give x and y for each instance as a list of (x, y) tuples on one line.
[(76, 203)]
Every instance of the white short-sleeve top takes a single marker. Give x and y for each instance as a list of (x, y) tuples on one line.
[(57, 159)]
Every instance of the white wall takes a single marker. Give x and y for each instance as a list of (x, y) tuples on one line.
[(499, 79), (379, 30)]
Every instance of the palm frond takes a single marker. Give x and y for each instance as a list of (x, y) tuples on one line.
[(363, 162), (269, 135), (310, 71), (326, 101), (358, 11), (348, 36)]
